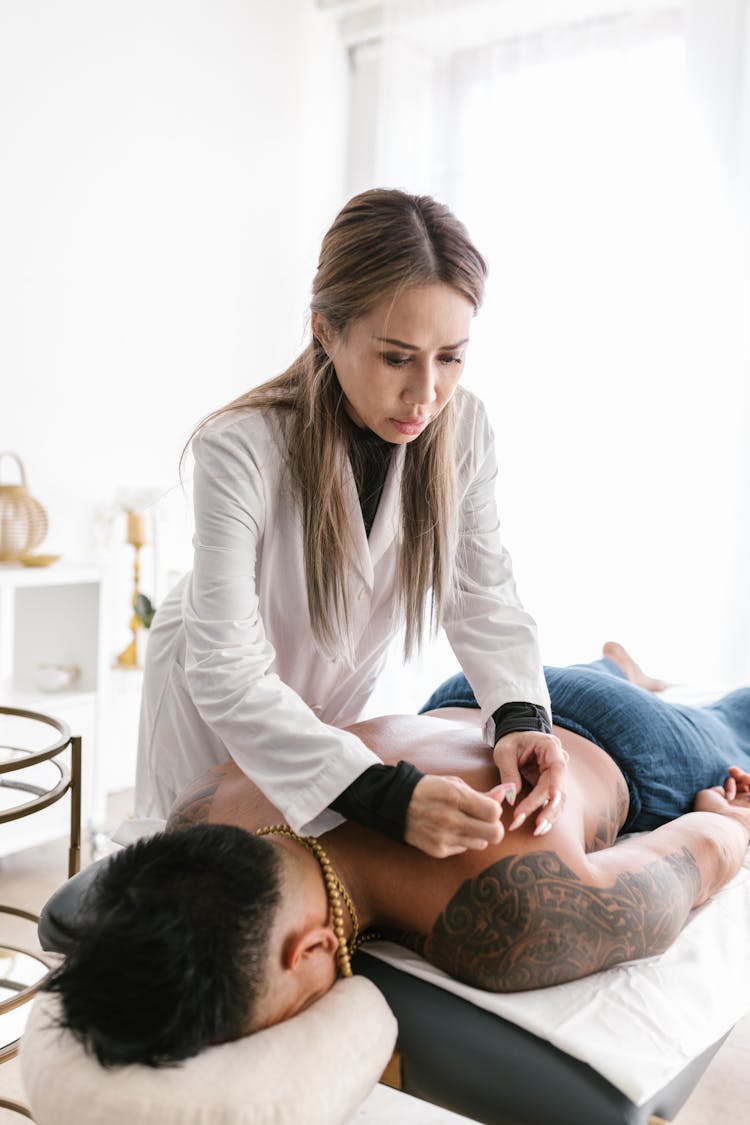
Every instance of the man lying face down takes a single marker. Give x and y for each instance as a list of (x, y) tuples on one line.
[(208, 932)]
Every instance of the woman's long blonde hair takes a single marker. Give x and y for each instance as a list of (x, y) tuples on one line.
[(380, 243)]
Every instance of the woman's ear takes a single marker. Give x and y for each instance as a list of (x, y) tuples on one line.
[(323, 332)]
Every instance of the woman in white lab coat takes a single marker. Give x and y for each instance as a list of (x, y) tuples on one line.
[(332, 505)]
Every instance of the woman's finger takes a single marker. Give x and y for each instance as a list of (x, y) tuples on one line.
[(506, 791), (445, 816), (546, 799), (507, 762)]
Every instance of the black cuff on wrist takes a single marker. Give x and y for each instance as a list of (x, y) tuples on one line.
[(379, 798), (520, 716)]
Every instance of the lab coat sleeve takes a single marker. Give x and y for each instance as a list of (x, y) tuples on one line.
[(299, 762), (492, 635)]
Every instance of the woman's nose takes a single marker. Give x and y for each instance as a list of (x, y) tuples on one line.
[(420, 387)]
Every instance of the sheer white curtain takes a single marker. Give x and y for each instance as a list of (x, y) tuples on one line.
[(718, 56), (612, 350)]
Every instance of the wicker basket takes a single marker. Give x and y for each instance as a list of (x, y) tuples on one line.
[(23, 520)]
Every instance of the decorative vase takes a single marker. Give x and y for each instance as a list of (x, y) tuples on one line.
[(23, 520)]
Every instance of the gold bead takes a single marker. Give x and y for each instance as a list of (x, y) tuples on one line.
[(335, 891)]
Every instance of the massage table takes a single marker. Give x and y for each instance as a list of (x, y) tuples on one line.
[(492, 1071), (621, 1047)]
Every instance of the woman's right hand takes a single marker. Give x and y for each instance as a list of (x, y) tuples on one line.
[(446, 817)]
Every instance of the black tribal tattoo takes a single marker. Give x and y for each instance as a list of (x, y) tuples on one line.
[(195, 804), (529, 921), (610, 820)]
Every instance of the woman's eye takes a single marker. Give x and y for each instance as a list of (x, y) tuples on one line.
[(393, 359)]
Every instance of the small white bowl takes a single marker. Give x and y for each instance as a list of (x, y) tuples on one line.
[(56, 677)]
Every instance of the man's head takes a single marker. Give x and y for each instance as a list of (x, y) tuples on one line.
[(192, 938)]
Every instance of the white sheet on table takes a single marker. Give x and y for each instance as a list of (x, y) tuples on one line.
[(638, 1024)]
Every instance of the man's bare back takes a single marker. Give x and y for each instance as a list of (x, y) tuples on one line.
[(529, 912)]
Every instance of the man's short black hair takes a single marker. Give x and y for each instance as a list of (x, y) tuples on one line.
[(170, 947)]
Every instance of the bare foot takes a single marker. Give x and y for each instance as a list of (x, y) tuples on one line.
[(633, 671)]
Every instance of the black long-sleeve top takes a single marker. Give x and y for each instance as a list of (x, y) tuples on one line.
[(379, 797)]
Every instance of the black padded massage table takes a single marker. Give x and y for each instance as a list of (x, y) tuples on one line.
[(475, 1063)]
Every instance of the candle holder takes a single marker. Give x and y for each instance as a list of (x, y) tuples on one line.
[(128, 658)]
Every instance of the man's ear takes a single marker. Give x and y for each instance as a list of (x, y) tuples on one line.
[(300, 947), (323, 332)]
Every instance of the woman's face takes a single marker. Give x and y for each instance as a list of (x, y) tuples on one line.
[(400, 364)]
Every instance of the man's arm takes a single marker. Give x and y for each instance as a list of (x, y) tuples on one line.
[(717, 842), (193, 806), (531, 920)]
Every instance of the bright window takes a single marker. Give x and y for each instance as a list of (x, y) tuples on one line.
[(607, 350), (610, 350)]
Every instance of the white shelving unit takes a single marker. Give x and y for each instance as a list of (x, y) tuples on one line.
[(55, 615), (120, 723)]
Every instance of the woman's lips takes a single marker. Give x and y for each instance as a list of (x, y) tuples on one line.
[(410, 427)]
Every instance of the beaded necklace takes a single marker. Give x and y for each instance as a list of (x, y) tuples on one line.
[(335, 891)]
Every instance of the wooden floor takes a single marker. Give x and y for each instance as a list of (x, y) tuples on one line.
[(723, 1094)]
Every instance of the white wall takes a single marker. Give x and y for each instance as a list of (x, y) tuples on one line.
[(616, 323), (168, 169)]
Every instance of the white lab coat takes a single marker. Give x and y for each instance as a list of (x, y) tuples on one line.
[(232, 668)]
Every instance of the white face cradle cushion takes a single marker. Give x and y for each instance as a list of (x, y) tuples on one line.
[(317, 1067)]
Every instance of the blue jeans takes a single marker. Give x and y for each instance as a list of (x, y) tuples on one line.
[(666, 751)]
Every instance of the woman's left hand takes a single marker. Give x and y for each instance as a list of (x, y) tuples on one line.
[(543, 762)]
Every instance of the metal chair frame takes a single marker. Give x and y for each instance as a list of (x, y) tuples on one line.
[(68, 780)]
